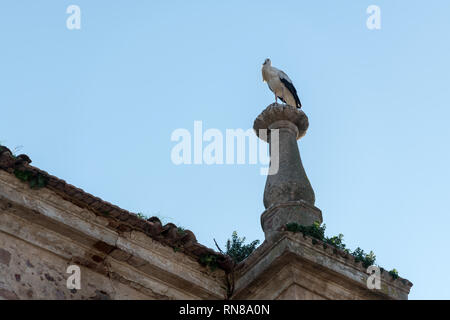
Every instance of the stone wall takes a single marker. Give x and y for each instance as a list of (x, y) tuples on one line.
[(29, 272)]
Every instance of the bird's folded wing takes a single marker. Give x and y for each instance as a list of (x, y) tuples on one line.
[(284, 76)]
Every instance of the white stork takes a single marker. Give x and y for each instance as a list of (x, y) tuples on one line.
[(280, 84)]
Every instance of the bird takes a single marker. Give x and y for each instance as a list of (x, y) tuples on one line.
[(280, 84)]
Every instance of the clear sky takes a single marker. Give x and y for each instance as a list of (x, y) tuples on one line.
[(97, 107)]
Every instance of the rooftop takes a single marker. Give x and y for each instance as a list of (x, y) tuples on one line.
[(119, 219)]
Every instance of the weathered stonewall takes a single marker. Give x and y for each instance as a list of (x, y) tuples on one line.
[(288, 195)]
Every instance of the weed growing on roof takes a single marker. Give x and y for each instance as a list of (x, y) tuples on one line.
[(367, 259), (209, 260), (236, 249), (317, 231), (35, 180), (140, 215), (394, 273)]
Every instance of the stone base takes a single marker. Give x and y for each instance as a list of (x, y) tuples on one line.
[(277, 216)]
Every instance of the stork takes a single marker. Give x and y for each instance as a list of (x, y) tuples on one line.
[(280, 84)]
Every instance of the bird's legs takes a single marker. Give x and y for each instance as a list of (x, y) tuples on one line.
[(276, 99)]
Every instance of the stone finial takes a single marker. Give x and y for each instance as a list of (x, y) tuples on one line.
[(288, 195)]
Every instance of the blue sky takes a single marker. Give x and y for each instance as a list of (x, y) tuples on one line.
[(97, 107)]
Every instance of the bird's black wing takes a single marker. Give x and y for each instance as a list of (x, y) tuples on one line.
[(292, 90)]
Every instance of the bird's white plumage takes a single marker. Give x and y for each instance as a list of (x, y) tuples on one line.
[(280, 84)]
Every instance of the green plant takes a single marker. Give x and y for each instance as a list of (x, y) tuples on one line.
[(316, 230), (35, 180), (366, 259), (394, 273), (337, 242), (237, 250), (209, 260), (141, 215)]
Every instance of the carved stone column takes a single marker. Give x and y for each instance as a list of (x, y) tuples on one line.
[(288, 195)]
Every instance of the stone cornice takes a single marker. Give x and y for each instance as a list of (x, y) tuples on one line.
[(318, 255)]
